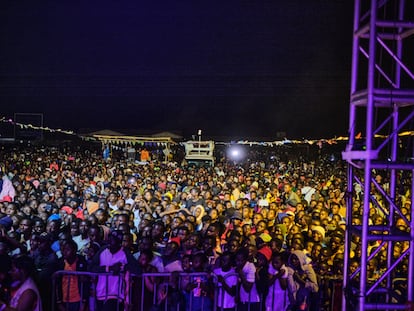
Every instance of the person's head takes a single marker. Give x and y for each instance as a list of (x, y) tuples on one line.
[(95, 234), (145, 243), (261, 260), (334, 208), (209, 243), (186, 263), (115, 241), (22, 268), (176, 222), (271, 215), (335, 242), (171, 249), (213, 214), (64, 237), (233, 246), (323, 269), (199, 261), (287, 221), (145, 258), (53, 226), (91, 250), (39, 226), (261, 227), (297, 259), (226, 261), (84, 227), (241, 257), (127, 241), (325, 254), (193, 241), (213, 230), (11, 209), (74, 227), (256, 218), (318, 234), (353, 266), (158, 230), (102, 216), (277, 261), (25, 226), (287, 188), (122, 219), (276, 245), (182, 233), (69, 251), (295, 229), (44, 242)]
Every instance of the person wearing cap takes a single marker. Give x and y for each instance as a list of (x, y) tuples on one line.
[(318, 234), (302, 275), (236, 219), (290, 198), (110, 290)]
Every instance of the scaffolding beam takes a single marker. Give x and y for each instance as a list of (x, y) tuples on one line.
[(381, 102)]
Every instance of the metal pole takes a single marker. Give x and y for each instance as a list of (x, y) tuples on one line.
[(348, 235), (394, 151), (410, 289), (354, 73), (350, 146), (369, 148), (199, 141)]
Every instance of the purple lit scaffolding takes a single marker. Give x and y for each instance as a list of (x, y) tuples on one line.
[(381, 109)]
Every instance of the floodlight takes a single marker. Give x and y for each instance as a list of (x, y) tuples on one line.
[(235, 153)]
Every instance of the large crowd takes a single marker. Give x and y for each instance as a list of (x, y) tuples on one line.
[(266, 233)]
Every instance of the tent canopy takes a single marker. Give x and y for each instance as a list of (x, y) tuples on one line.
[(110, 136)]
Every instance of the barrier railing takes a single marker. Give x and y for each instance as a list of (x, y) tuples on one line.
[(115, 287), (176, 291)]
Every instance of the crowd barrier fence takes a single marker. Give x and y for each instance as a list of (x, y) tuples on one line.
[(176, 291)]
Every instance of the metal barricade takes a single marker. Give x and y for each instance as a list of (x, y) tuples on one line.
[(148, 291), (176, 291), (87, 284)]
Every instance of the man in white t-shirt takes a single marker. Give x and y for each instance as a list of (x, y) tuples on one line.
[(227, 283), (277, 299), (110, 289), (247, 277)]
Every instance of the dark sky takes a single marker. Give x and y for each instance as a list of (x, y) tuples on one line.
[(240, 69)]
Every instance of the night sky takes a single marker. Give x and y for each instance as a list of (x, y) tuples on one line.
[(240, 69)]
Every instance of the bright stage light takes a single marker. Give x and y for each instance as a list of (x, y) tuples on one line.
[(235, 153)]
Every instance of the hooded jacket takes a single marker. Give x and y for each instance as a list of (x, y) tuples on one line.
[(311, 282)]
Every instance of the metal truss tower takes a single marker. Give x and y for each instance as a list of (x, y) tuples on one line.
[(381, 111)]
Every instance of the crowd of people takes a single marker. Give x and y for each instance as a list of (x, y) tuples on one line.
[(265, 234)]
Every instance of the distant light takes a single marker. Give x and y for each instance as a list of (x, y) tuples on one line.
[(236, 153)]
